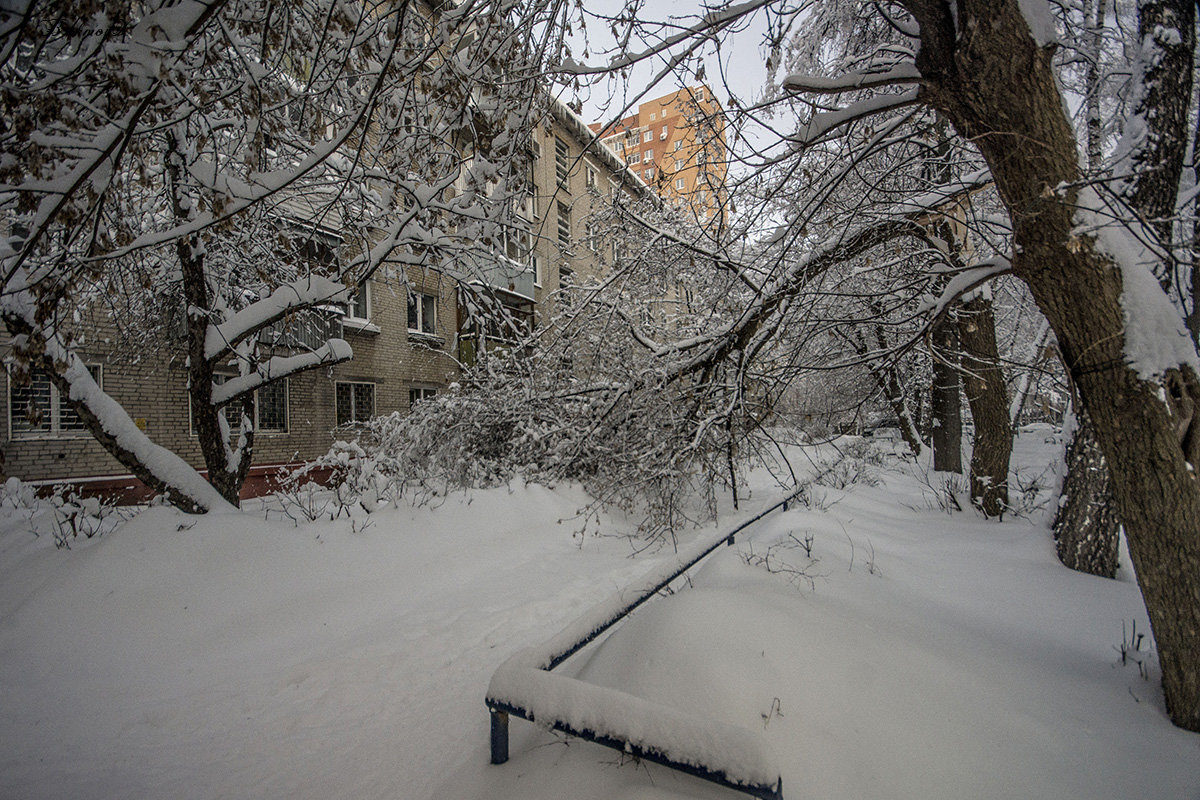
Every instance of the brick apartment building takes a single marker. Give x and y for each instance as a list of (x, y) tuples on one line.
[(676, 144), (407, 342)]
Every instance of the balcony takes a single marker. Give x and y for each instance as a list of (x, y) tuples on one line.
[(507, 275)]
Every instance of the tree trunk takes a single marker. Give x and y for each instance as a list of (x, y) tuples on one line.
[(987, 397), (945, 397), (983, 69), (1086, 527), (225, 473)]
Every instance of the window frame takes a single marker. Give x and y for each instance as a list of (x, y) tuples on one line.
[(354, 417), (417, 394), (54, 411), (563, 222), (416, 302), (562, 163), (258, 429)]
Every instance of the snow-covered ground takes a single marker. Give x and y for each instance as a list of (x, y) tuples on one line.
[(916, 654)]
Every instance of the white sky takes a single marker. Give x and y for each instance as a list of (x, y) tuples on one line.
[(739, 68)]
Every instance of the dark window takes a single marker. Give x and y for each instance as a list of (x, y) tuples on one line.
[(417, 394), (355, 402), (564, 224), (39, 410), (562, 162), (422, 313)]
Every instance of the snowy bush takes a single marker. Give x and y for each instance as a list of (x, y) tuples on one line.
[(365, 470), (63, 514)]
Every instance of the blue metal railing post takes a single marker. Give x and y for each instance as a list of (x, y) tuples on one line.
[(499, 735)]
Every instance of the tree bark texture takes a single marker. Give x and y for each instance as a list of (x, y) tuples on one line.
[(987, 396), (1086, 526), (946, 397), (984, 71)]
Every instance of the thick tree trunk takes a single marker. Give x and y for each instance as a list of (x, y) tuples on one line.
[(983, 69), (1086, 527), (987, 397), (225, 474), (946, 397)]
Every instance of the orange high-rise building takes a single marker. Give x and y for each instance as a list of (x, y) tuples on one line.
[(676, 143)]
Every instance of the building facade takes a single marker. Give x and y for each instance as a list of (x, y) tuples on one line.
[(676, 144), (408, 338)]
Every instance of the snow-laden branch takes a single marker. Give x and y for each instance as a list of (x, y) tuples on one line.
[(965, 282), (153, 464), (276, 368), (824, 123), (900, 74), (708, 25), (304, 293)]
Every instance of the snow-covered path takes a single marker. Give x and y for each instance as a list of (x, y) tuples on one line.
[(933, 656), (240, 659)]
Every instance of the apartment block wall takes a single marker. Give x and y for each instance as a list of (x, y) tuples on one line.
[(153, 391), (387, 354), (676, 143)]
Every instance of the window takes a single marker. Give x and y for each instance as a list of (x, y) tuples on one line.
[(271, 407), (38, 410), (635, 158), (678, 164), (355, 401), (653, 116), (590, 177), (535, 264), (677, 145), (647, 136), (648, 156), (648, 174), (665, 130), (680, 184), (562, 162), (417, 394), (593, 236), (422, 313), (564, 225), (359, 305)]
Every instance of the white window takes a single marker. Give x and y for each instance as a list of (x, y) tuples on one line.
[(354, 401), (680, 184), (677, 145), (535, 263), (648, 156), (593, 236), (419, 393), (678, 164), (564, 224), (648, 136), (38, 411), (590, 177), (653, 116), (422, 313), (635, 158), (270, 408), (562, 162), (358, 308), (663, 135)]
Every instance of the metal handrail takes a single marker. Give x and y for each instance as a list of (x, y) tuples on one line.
[(555, 652)]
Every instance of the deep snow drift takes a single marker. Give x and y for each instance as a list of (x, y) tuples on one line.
[(915, 654)]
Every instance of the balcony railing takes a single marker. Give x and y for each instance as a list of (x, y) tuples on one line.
[(507, 275)]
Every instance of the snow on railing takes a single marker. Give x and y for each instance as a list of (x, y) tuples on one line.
[(525, 687)]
